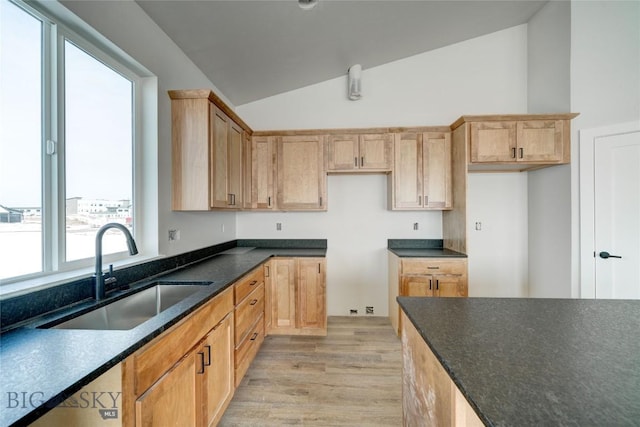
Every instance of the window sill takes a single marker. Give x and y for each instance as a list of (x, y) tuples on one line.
[(10, 290)]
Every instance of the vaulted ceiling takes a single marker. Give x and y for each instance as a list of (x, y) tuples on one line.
[(255, 49)]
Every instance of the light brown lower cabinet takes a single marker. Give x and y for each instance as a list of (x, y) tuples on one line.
[(249, 320), (424, 277), (429, 395), (186, 375), (297, 296)]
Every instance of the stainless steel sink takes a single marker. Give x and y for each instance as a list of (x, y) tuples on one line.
[(130, 311)]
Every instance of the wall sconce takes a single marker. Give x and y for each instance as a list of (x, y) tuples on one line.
[(354, 82), (307, 4)]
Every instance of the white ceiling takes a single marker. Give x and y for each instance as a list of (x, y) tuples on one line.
[(254, 49)]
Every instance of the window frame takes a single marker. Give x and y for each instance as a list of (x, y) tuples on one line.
[(59, 26)]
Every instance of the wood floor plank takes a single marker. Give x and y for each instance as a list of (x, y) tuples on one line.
[(351, 377)]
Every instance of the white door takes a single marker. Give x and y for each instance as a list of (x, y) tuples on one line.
[(617, 216)]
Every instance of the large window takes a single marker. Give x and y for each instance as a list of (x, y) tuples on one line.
[(67, 144)]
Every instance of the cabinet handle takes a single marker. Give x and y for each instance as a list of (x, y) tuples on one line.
[(254, 302), (266, 272), (208, 362), (234, 199), (355, 161), (320, 200), (269, 201), (429, 284), (420, 200), (255, 335), (426, 200), (253, 283), (437, 284), (513, 152), (319, 268), (361, 161), (201, 371), (521, 153)]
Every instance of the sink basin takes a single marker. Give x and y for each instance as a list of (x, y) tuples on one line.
[(130, 311)]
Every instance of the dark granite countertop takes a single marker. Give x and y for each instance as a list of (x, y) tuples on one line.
[(538, 362), (48, 365), (421, 248)]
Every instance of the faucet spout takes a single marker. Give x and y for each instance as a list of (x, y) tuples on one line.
[(99, 278)]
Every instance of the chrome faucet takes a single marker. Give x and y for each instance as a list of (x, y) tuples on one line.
[(99, 277)]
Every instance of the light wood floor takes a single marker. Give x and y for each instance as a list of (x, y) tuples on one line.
[(351, 377)]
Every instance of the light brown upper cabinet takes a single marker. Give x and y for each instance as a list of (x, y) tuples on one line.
[(364, 153), (226, 175), (517, 142), (207, 152), (260, 173), (302, 179), (421, 177)]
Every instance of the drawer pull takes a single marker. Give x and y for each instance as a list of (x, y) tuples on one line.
[(254, 302), (253, 283), (433, 268), (208, 362), (255, 335)]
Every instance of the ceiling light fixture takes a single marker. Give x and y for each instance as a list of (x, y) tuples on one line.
[(307, 4), (354, 82)]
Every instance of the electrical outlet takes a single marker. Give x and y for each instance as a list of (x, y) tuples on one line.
[(279, 226), (369, 309), (353, 312), (415, 225), (174, 235)]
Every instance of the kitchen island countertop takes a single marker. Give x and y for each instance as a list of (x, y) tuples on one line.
[(39, 368), (534, 362)]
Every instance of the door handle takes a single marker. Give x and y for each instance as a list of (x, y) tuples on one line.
[(605, 255)]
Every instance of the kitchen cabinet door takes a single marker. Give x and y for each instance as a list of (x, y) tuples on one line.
[(311, 291), (376, 152), (437, 170), (171, 401), (540, 141), (343, 152), (407, 172), (493, 141), (263, 163), (448, 286), (302, 179), (283, 302), (217, 373), (226, 151)]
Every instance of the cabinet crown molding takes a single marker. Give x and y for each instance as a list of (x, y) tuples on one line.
[(511, 117)]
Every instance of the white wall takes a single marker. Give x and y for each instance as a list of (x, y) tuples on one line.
[(498, 251), (549, 189), (605, 83), (130, 28), (479, 76)]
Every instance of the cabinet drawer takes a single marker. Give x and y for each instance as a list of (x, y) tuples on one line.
[(157, 357), (247, 312), (248, 283), (248, 349), (422, 266)]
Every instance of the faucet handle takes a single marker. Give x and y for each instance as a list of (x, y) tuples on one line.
[(110, 279)]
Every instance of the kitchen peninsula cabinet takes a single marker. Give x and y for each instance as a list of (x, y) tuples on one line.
[(421, 178), (186, 375), (297, 296), (207, 152), (444, 405), (424, 277), (302, 178), (360, 152)]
